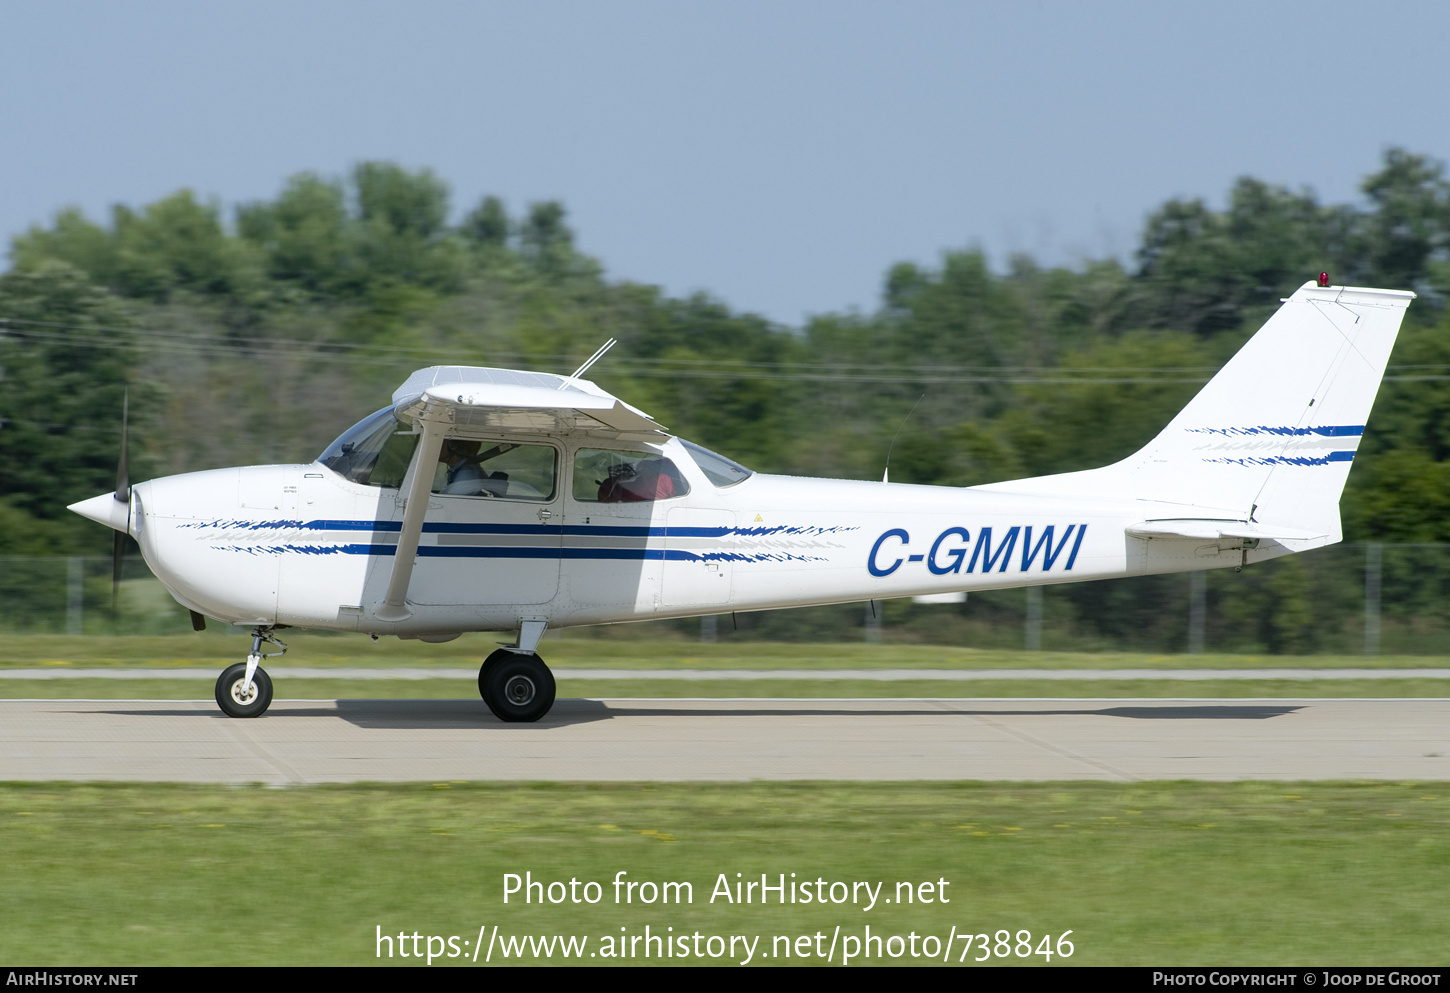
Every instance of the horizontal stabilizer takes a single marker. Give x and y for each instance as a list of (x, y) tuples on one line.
[(1216, 530)]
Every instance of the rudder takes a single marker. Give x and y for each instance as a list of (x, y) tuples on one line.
[(1272, 436)]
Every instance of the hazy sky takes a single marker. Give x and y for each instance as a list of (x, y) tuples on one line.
[(779, 155)]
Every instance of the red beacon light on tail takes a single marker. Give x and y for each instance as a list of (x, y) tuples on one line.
[(1324, 279)]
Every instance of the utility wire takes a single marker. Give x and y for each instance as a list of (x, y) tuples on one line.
[(359, 353)]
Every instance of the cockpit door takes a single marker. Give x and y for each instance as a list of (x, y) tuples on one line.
[(495, 539)]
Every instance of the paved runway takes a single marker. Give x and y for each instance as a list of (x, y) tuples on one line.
[(877, 675), (719, 739)]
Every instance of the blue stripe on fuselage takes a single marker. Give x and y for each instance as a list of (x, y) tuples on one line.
[(552, 541), (552, 530), (1323, 430)]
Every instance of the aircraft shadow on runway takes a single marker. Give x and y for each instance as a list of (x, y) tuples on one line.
[(406, 715)]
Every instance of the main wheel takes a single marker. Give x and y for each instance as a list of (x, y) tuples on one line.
[(516, 687), (235, 703), (488, 664)]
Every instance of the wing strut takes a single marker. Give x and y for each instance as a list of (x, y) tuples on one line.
[(394, 606)]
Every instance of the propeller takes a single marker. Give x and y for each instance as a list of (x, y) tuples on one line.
[(123, 495)]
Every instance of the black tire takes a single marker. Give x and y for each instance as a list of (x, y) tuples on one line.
[(228, 692), (488, 664), (518, 688)]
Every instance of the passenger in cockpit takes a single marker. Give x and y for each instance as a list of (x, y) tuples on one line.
[(643, 481)]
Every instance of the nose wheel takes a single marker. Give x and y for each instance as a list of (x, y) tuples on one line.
[(237, 697), (518, 687), (245, 689)]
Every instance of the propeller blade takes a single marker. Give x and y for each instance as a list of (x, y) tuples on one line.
[(123, 495), (123, 476)]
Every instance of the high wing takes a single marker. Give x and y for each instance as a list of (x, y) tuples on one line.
[(480, 399), (463, 401)]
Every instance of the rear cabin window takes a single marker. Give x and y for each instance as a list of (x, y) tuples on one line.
[(606, 476)]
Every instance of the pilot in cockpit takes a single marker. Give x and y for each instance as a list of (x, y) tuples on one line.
[(465, 476)]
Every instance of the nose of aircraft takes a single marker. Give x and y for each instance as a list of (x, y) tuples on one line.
[(104, 509)]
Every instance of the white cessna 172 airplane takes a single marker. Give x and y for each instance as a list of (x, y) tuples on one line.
[(494, 500)]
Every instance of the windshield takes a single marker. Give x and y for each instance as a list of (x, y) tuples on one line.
[(375, 451), (717, 468)]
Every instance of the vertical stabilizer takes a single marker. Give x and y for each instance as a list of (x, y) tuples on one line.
[(1272, 436)]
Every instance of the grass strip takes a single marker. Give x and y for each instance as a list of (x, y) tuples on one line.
[(1163, 873)]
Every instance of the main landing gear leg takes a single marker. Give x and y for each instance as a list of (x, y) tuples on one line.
[(245, 689), (515, 683)]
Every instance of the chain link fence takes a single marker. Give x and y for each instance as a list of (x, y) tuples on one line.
[(1346, 599), (74, 595)]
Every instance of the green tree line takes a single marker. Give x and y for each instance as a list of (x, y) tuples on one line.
[(257, 336)]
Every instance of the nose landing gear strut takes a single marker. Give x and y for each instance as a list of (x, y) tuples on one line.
[(245, 689)]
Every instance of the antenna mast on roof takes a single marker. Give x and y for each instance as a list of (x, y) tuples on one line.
[(887, 471), (589, 362)]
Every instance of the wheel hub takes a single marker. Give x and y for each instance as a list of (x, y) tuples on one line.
[(242, 693), (519, 690)]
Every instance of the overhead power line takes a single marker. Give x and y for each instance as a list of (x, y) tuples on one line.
[(155, 341)]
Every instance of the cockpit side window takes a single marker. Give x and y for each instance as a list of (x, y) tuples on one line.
[(495, 469), (374, 452), (605, 476)]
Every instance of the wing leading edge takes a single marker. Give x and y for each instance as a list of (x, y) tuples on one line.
[(481, 399)]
